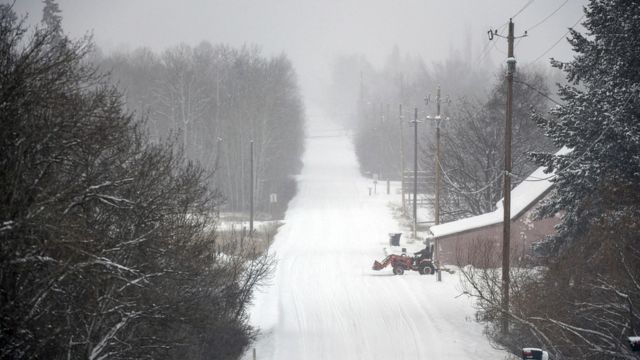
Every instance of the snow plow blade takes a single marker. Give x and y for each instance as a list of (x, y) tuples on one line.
[(377, 265)]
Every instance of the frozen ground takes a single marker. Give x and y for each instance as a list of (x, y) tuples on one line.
[(325, 302)]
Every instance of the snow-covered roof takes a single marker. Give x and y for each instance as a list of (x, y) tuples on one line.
[(523, 196)]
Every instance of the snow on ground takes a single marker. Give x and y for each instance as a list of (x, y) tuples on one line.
[(240, 225), (325, 301)]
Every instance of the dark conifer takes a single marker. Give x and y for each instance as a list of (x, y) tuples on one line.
[(599, 120)]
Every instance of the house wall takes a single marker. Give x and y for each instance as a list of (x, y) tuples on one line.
[(483, 247)]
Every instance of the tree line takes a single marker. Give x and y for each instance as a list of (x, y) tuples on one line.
[(472, 125), (108, 248), (215, 100)]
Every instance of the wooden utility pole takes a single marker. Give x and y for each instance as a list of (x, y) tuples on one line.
[(415, 172), (251, 194), (437, 212), (437, 207), (506, 229), (437, 119), (404, 210)]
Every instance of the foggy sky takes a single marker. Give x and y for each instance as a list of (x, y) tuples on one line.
[(313, 32)]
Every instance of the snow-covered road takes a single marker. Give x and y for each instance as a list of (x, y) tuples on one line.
[(325, 302)]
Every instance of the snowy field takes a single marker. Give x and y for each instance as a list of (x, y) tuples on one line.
[(325, 301)]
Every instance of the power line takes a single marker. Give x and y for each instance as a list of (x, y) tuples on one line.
[(484, 51), (487, 47), (536, 90), (498, 50), (593, 143), (549, 16), (523, 8), (496, 33), (560, 39), (532, 178), (572, 163), (485, 187)]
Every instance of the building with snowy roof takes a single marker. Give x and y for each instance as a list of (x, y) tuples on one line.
[(476, 240)]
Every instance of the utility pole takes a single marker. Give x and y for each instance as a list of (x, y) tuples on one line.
[(401, 118), (506, 228), (506, 176), (437, 119), (404, 210), (415, 172), (251, 194)]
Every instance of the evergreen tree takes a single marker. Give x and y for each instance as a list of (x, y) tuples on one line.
[(599, 120), (51, 17)]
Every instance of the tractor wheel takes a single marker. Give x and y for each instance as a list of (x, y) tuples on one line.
[(398, 270), (427, 270)]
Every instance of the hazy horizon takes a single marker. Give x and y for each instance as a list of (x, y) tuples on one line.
[(312, 33)]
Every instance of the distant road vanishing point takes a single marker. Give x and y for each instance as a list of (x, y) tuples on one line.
[(325, 301)]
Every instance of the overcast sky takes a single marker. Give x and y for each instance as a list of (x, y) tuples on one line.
[(313, 32)]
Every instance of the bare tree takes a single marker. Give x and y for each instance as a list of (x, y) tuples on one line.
[(472, 141), (581, 305), (108, 243), (219, 99)]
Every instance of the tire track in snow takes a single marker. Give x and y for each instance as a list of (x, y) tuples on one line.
[(330, 304)]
